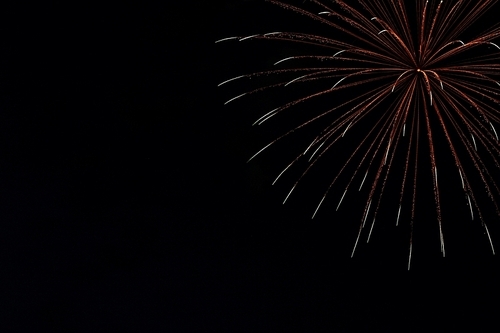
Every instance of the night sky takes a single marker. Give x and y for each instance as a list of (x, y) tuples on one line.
[(127, 205)]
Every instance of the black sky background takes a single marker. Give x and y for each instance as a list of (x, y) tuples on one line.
[(127, 204)]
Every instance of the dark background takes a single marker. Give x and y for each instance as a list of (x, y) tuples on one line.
[(127, 205)]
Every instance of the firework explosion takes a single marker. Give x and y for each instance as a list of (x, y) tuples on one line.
[(415, 80)]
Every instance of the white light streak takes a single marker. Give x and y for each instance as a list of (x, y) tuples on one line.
[(470, 206), (265, 117), (318, 207), (336, 54), (347, 128), (399, 212), (341, 200), (387, 152), (409, 256), (289, 194), (494, 130), (248, 37), (474, 141), (234, 98), (342, 79), (355, 244), (282, 172), (495, 45), (309, 147), (321, 145), (272, 33), (300, 77), (283, 60), (371, 229), (489, 237), (260, 151), (442, 241), (224, 39), (360, 186), (367, 211), (234, 78)]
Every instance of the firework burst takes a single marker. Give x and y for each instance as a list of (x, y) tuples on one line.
[(414, 76)]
